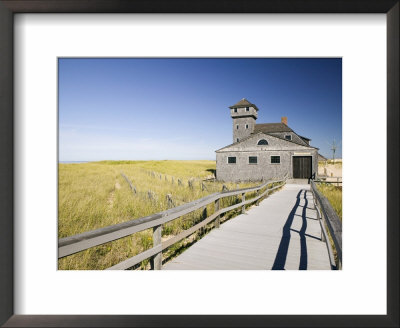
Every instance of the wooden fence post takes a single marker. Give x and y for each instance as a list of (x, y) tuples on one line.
[(322, 234), (156, 260), (216, 209), (243, 206), (203, 216), (133, 188), (151, 195), (319, 215), (258, 194), (170, 202)]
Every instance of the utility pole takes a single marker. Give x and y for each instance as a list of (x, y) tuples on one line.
[(334, 147)]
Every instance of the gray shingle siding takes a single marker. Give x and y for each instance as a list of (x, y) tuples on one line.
[(274, 134), (239, 128), (243, 171), (241, 118), (264, 169)]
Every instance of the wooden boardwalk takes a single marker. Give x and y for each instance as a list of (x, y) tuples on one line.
[(282, 233)]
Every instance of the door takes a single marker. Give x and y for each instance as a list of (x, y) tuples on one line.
[(302, 167)]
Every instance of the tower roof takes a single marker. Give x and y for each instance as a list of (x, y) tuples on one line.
[(243, 103)]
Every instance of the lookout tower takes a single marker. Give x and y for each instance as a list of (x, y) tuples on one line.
[(244, 115)]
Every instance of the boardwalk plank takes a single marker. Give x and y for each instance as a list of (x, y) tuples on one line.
[(281, 233)]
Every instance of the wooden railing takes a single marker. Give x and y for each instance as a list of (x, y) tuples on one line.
[(332, 180), (328, 217), (74, 244)]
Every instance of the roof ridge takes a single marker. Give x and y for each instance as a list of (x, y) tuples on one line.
[(268, 134)]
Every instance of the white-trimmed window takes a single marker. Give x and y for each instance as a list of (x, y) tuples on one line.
[(275, 159), (247, 109), (253, 160), (262, 142), (237, 139), (247, 126), (231, 159), (288, 137), (235, 110)]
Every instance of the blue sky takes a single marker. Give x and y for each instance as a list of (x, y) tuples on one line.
[(148, 109)]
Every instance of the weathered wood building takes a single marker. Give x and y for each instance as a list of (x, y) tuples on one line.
[(264, 151)]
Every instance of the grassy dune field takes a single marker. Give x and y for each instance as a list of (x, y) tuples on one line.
[(94, 195), (334, 195), (330, 191)]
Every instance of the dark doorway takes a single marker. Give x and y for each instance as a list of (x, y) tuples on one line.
[(302, 167)]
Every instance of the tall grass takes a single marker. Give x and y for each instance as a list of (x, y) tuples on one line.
[(94, 195), (334, 195)]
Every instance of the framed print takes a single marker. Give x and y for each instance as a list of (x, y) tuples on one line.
[(119, 48)]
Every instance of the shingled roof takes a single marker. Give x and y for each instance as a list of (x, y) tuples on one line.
[(259, 132), (244, 103), (271, 127)]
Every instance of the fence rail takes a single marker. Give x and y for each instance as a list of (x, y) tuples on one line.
[(332, 180), (328, 217), (77, 243)]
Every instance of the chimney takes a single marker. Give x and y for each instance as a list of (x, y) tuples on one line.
[(284, 120)]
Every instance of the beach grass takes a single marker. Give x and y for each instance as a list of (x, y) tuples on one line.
[(334, 196), (96, 194)]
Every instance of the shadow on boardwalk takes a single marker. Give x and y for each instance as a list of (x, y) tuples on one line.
[(281, 255), (282, 233)]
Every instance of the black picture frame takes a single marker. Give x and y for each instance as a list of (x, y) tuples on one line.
[(7, 10)]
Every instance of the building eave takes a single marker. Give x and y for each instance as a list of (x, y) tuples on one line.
[(292, 141), (237, 143), (242, 116), (266, 134), (303, 137)]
